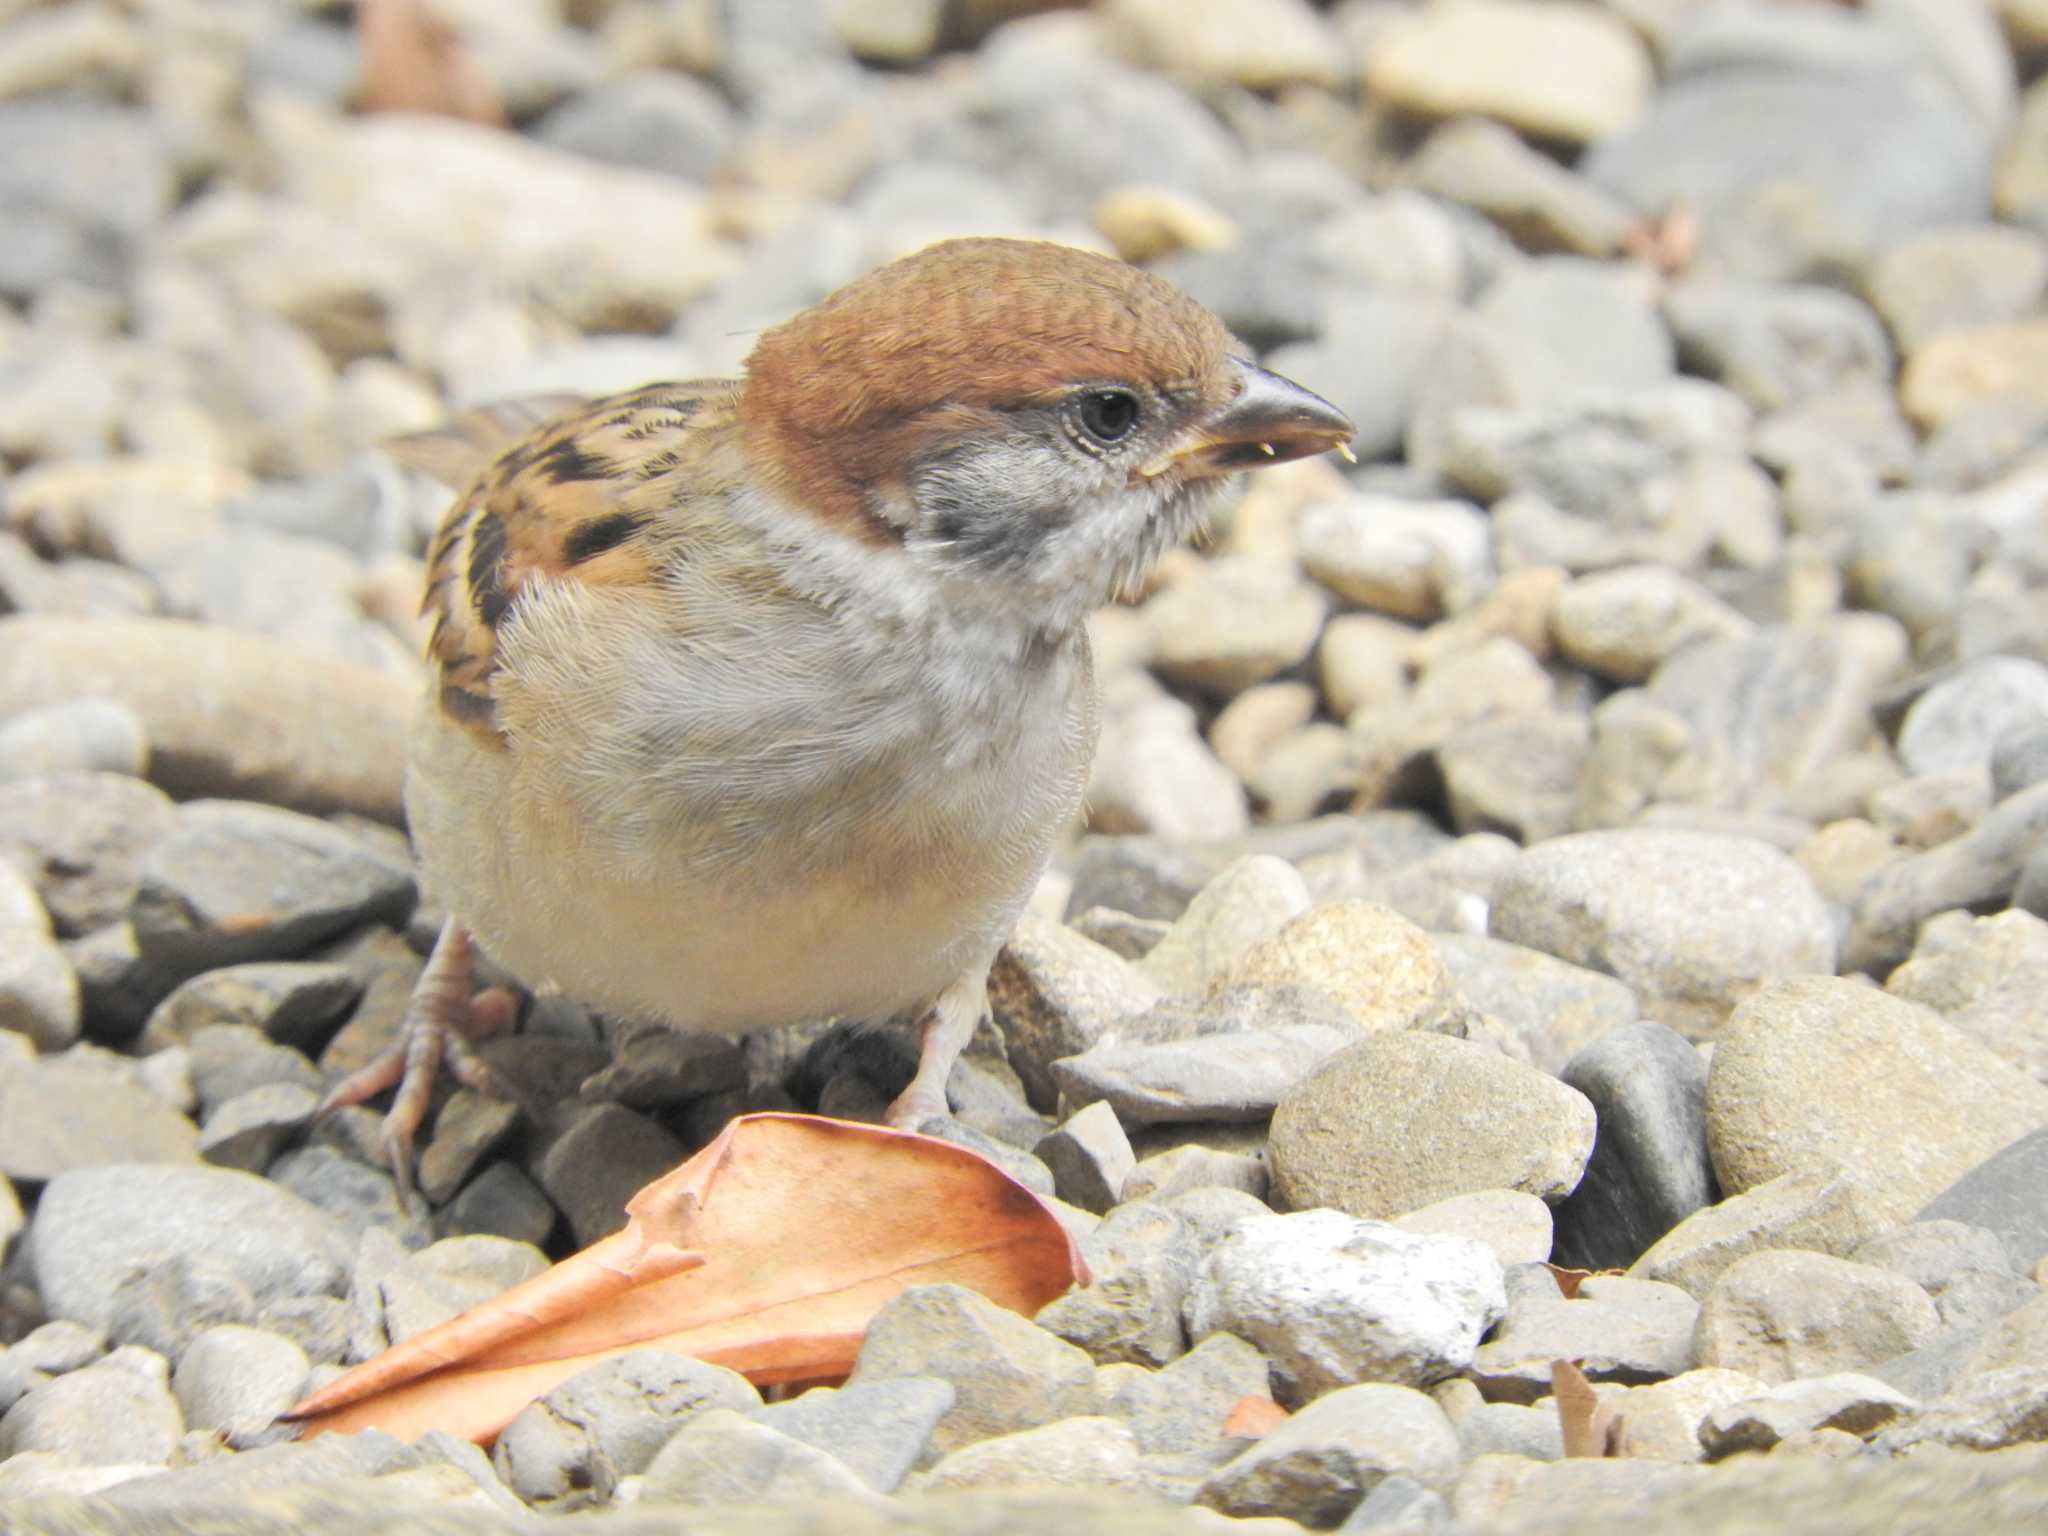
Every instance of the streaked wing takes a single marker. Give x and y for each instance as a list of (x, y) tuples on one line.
[(554, 488)]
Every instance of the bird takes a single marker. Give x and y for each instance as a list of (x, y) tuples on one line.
[(763, 700)]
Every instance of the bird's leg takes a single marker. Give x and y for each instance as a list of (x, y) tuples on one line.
[(440, 1022), (947, 1029)]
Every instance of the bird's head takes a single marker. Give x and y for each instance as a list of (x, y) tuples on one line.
[(1035, 421)]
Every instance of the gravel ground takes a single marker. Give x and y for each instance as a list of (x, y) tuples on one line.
[(1605, 827)]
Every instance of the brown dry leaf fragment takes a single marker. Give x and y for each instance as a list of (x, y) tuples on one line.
[(1250, 1418), (1587, 1422), (412, 62), (767, 1252), (1569, 1280)]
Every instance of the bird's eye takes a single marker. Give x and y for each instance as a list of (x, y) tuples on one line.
[(1109, 414)]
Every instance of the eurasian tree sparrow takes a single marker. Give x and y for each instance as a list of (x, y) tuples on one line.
[(763, 700)]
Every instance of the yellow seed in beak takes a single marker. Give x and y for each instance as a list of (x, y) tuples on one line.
[(1267, 449), (1344, 452)]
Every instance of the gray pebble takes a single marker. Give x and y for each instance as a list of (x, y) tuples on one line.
[(105, 1414), (1319, 1466), (39, 993), (84, 736), (1006, 1373), (247, 1131), (233, 1377), (722, 1457), (880, 1429), (1089, 1156), (571, 1447)]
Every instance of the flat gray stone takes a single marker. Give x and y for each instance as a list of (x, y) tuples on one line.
[(2002, 1193), (1620, 1330), (1858, 1405), (1228, 1078), (248, 1130), (84, 1109), (235, 881), (96, 1226)]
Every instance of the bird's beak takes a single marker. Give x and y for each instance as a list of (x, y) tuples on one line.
[(1269, 421)]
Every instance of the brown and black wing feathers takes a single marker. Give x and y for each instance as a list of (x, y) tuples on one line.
[(552, 487)]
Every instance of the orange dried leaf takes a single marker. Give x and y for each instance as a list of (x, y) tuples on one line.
[(767, 1252), (1252, 1417)]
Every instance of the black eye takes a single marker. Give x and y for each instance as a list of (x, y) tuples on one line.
[(1109, 414)]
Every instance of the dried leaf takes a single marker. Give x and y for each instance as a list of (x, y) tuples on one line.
[(412, 62), (1587, 1422), (1253, 1417), (767, 1252), (1569, 1280)]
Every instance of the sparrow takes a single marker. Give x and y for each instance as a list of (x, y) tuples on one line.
[(763, 700)]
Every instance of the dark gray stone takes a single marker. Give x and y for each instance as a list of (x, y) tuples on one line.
[(595, 1166), (503, 1202), (247, 1130), (1650, 1168), (470, 1127), (1089, 1156), (653, 1067), (2004, 1194), (236, 881), (299, 1003)]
